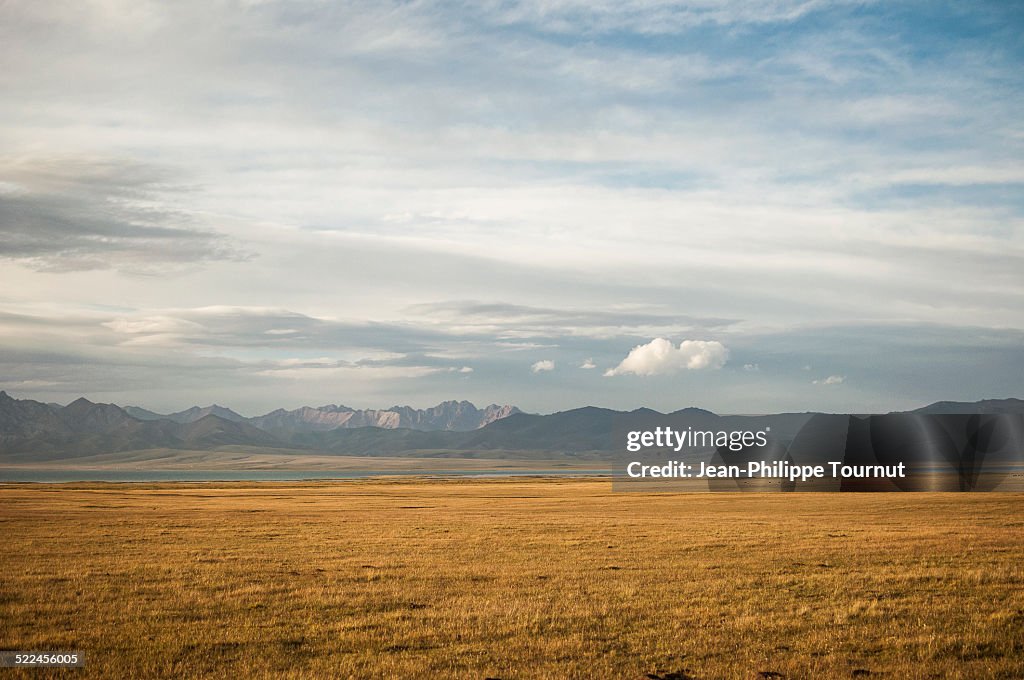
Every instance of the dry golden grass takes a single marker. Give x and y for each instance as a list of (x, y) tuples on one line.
[(511, 579)]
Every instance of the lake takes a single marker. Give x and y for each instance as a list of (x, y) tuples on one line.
[(39, 475)]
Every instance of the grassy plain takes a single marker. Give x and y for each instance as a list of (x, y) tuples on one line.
[(512, 578)]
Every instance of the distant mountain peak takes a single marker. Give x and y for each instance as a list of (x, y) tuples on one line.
[(1010, 405), (693, 410), (189, 415)]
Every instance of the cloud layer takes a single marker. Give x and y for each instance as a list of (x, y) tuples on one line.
[(258, 358), (66, 214), (252, 202)]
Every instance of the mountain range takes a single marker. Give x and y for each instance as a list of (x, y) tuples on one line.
[(38, 431), (32, 431), (448, 415)]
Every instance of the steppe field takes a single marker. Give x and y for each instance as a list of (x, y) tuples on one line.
[(510, 578)]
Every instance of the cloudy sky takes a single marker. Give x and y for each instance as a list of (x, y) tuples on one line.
[(744, 205)]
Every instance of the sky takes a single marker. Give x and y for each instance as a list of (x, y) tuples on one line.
[(747, 206)]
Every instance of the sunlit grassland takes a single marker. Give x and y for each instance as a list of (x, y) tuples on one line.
[(537, 578)]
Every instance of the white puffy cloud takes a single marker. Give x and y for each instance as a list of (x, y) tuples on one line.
[(661, 356), (751, 367), (543, 365), (831, 380), (588, 364)]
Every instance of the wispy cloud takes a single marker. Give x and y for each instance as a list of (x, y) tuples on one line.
[(645, 16), (512, 320), (75, 213)]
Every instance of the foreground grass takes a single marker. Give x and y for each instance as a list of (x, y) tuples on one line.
[(511, 579)]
